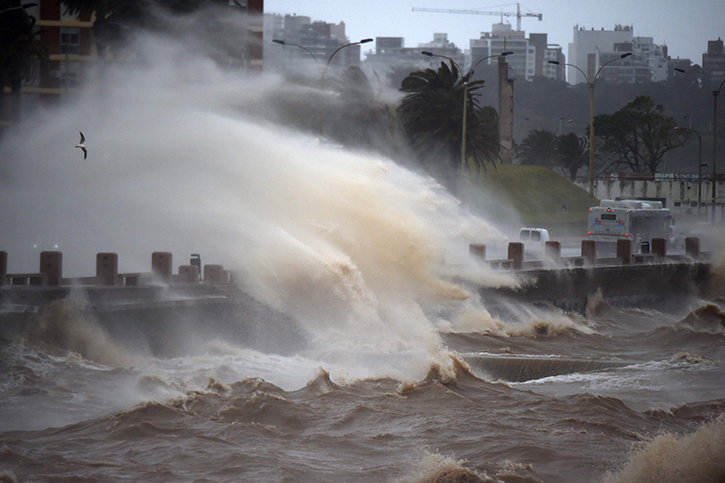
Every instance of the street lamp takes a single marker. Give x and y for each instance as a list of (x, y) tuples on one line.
[(591, 112), (284, 42), (465, 95), (324, 71), (699, 164), (714, 148)]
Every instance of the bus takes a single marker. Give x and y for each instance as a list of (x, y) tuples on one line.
[(637, 220)]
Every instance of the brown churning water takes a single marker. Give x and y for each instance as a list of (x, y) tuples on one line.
[(399, 374)]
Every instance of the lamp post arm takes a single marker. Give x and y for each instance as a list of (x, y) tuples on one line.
[(502, 54), (431, 54), (363, 41), (322, 78), (283, 42), (607, 63)]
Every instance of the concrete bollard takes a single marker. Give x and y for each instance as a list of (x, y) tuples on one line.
[(161, 265), (552, 250), (215, 275), (516, 255), (188, 273), (659, 247), (692, 247), (51, 264), (3, 268), (107, 267), (477, 251), (624, 250), (589, 251)]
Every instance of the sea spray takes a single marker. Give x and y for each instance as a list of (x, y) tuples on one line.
[(358, 250)]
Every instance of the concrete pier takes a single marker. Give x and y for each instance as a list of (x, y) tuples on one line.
[(568, 282)]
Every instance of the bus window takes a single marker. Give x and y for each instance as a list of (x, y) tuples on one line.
[(609, 217), (535, 235)]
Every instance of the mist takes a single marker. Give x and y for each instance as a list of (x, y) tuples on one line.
[(358, 249)]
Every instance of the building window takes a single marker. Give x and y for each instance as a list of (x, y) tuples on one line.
[(70, 40), (70, 74)]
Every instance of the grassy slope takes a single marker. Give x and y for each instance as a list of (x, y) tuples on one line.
[(537, 194)]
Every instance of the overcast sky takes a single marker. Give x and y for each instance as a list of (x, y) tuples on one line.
[(684, 26)]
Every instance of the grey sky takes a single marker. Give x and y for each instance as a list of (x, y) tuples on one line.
[(685, 27)]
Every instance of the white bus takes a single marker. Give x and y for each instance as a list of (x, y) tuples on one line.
[(637, 220)]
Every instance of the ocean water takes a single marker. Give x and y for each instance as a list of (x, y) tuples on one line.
[(378, 362)]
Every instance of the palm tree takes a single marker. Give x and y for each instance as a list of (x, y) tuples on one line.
[(22, 53), (571, 153), (432, 115), (539, 148)]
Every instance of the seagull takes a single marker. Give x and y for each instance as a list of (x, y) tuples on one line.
[(83, 146)]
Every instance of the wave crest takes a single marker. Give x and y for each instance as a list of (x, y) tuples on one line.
[(708, 318), (435, 468), (694, 458), (64, 325)]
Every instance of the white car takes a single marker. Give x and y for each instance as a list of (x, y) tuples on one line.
[(533, 238)]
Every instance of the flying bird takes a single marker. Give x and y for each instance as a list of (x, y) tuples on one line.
[(83, 146)]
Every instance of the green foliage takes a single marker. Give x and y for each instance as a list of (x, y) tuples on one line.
[(571, 153), (637, 136), (22, 53), (21, 50), (538, 194), (432, 116), (538, 149), (543, 148)]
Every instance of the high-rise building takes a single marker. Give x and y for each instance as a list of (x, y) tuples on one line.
[(309, 44), (592, 49), (503, 38), (393, 60), (586, 46), (655, 56), (529, 57), (713, 62)]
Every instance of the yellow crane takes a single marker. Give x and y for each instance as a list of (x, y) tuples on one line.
[(517, 13)]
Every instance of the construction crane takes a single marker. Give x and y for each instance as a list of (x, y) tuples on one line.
[(517, 13)]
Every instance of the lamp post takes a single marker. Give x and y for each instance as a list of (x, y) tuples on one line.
[(591, 83), (284, 42), (324, 71), (715, 93), (699, 164), (465, 96)]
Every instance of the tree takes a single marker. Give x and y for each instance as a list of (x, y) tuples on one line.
[(432, 115), (638, 135), (571, 153), (22, 53), (539, 148)]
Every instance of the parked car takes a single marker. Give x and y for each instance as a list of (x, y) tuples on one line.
[(533, 238)]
